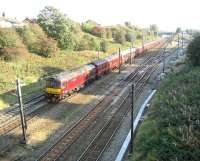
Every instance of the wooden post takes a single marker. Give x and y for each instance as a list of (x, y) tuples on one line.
[(23, 121), (164, 61), (130, 56), (119, 60), (142, 40), (98, 54), (182, 41), (178, 41)]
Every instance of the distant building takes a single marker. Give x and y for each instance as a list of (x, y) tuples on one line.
[(30, 20), (8, 23)]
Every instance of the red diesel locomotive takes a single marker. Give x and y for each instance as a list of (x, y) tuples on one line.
[(63, 84)]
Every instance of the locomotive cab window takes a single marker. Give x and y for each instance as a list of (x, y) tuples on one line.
[(53, 84)]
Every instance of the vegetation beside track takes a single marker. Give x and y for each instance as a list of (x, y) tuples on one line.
[(40, 48), (171, 128)]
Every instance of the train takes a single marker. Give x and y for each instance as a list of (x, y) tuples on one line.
[(64, 84)]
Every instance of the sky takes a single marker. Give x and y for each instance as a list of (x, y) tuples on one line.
[(167, 14)]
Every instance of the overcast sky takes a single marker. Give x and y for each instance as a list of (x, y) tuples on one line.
[(167, 14)]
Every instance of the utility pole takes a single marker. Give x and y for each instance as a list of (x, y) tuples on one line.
[(142, 40), (23, 121), (178, 41), (98, 54), (132, 107), (182, 41), (164, 61), (130, 56), (119, 60)]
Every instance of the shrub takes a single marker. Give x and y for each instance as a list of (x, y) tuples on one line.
[(37, 41), (193, 53), (88, 43), (88, 25), (94, 44), (48, 47), (120, 37), (108, 33), (139, 36), (130, 37), (83, 45), (9, 38), (104, 46), (98, 31), (13, 54), (170, 131)]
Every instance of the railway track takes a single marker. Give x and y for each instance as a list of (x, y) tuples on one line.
[(71, 135), (10, 119), (99, 143)]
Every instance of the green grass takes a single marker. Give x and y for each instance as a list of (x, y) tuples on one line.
[(170, 131)]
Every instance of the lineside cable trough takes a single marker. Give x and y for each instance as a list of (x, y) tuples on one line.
[(126, 143)]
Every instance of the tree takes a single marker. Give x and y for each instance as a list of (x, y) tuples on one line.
[(120, 36), (193, 51), (37, 41), (130, 36), (57, 26), (128, 24), (88, 25), (108, 33), (98, 31), (104, 46), (178, 30)]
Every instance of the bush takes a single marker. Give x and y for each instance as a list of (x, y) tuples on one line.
[(171, 130), (88, 25), (130, 37), (108, 33), (98, 31), (139, 36), (104, 46), (37, 41), (88, 43), (48, 47), (13, 54), (9, 38), (193, 52), (120, 37)]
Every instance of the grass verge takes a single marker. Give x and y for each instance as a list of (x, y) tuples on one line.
[(171, 130)]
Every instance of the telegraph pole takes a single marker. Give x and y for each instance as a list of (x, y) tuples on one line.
[(164, 61), (130, 56), (119, 60), (132, 107), (182, 41), (142, 40), (178, 41), (98, 54), (23, 121)]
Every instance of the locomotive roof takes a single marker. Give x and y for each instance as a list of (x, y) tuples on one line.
[(99, 62), (70, 74)]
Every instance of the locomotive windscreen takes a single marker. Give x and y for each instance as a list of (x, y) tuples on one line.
[(52, 83)]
